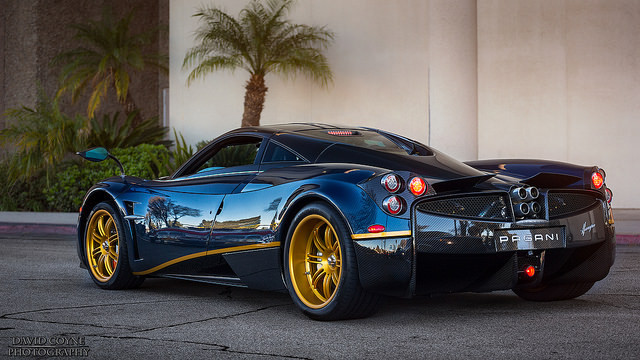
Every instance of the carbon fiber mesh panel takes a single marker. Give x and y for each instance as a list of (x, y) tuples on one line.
[(481, 207), (563, 204)]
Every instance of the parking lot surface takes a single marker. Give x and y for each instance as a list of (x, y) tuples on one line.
[(48, 302)]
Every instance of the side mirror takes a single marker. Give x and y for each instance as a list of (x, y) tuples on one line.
[(96, 154), (99, 154)]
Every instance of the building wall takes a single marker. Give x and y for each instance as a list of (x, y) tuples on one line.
[(560, 80), (379, 59), (34, 31), (481, 79)]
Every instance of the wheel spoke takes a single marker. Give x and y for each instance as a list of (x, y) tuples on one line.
[(335, 279), (100, 227), (95, 237), (328, 237), (100, 266), (113, 239), (317, 276), (95, 252), (313, 261), (317, 242), (107, 266), (108, 225), (326, 286)]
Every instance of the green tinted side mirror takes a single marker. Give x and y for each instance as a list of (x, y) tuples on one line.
[(96, 154)]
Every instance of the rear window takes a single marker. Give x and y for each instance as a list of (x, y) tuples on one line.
[(360, 138)]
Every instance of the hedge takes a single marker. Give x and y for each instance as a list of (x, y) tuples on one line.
[(72, 181)]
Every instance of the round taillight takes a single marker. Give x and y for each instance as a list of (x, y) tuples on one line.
[(418, 186), (393, 204), (597, 180), (609, 194), (391, 182), (530, 271), (376, 229)]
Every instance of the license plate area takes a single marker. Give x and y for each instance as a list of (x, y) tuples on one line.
[(530, 239)]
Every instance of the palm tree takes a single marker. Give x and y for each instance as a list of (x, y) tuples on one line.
[(105, 59), (261, 41)]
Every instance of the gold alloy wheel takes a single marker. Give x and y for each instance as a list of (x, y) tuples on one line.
[(102, 245), (315, 261)]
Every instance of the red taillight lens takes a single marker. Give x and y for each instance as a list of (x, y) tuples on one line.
[(530, 271), (609, 194), (376, 229), (597, 180), (418, 186), (392, 183), (393, 204)]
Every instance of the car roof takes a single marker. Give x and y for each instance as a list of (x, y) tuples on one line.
[(294, 128)]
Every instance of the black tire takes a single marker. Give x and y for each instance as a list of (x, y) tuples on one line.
[(554, 292), (331, 261), (105, 250)]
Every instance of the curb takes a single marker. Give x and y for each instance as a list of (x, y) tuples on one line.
[(627, 239), (12, 228)]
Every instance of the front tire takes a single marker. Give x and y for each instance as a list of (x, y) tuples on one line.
[(554, 292), (106, 250), (320, 269)]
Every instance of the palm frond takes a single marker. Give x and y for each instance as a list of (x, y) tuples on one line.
[(106, 47), (260, 40), (213, 63)]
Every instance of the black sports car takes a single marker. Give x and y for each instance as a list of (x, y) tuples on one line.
[(340, 216)]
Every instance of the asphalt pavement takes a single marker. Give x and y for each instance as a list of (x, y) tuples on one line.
[(49, 305)]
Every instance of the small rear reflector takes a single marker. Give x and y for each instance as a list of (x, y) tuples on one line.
[(530, 271), (376, 229)]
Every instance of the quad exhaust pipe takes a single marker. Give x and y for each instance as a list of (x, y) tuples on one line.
[(524, 200)]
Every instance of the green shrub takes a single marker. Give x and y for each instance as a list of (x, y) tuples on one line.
[(42, 137), (112, 133), (22, 195), (73, 179)]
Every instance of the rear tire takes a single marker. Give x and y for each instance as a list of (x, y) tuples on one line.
[(106, 252), (554, 292), (320, 267)]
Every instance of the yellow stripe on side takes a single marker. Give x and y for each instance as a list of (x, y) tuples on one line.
[(206, 253), (381, 235)]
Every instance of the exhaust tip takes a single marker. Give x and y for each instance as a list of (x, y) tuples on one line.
[(522, 209), (533, 192), (535, 207), (519, 193)]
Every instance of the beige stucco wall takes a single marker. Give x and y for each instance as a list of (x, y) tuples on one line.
[(488, 79), (561, 80), (379, 60), (453, 73)]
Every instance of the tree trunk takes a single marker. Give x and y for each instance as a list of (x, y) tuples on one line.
[(254, 96)]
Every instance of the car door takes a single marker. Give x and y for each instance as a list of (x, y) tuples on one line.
[(179, 213)]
